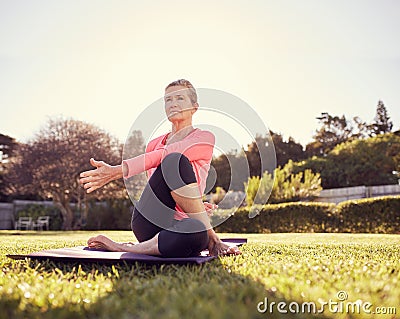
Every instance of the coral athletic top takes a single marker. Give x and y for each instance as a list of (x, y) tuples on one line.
[(197, 146)]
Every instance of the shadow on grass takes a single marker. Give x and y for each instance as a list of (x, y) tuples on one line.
[(210, 290)]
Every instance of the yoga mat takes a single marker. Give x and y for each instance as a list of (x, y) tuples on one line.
[(85, 254)]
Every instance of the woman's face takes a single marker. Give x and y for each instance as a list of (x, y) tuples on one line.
[(178, 106)]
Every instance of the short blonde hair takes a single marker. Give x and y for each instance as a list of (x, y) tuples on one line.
[(182, 82)]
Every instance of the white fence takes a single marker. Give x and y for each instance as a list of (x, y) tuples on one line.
[(338, 195)]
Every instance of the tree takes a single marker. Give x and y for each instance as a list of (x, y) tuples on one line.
[(231, 170), (134, 146), (358, 162), (361, 128), (272, 149), (50, 164), (287, 150), (219, 173), (8, 146), (382, 123), (333, 131)]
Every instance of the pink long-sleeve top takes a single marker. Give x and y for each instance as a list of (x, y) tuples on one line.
[(197, 146)]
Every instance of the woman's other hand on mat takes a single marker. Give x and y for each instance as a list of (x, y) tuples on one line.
[(218, 248), (222, 249), (103, 174), (210, 208)]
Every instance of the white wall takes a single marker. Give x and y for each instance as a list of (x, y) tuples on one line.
[(337, 195)]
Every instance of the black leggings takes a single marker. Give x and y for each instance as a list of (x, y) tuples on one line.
[(154, 212)]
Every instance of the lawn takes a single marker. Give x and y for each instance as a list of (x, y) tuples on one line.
[(346, 271)]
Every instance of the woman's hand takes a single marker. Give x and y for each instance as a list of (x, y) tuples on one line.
[(218, 248), (210, 208), (103, 174)]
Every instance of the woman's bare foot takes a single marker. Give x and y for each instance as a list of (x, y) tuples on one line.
[(103, 242), (148, 247)]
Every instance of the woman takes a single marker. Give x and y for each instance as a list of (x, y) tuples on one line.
[(170, 219)]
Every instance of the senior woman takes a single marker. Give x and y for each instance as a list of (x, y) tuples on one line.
[(170, 219)]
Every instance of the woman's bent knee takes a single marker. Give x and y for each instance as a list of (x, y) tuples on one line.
[(177, 171)]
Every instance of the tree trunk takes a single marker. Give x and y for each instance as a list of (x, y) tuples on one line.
[(66, 213)]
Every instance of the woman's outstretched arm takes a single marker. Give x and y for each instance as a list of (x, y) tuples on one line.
[(198, 146), (100, 176)]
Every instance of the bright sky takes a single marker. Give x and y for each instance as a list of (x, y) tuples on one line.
[(105, 61)]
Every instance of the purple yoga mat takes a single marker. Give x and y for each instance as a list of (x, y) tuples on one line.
[(85, 254)]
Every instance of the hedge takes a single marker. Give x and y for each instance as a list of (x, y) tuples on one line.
[(372, 215), (112, 215), (37, 210)]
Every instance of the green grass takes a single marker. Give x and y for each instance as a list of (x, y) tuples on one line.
[(281, 267)]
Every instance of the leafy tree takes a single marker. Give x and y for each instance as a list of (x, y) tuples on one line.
[(361, 128), (382, 123), (231, 170), (255, 151), (333, 131), (239, 170), (219, 173), (315, 148), (218, 196), (134, 146), (284, 150), (370, 161), (51, 162), (8, 146)]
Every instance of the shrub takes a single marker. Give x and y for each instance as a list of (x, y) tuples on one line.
[(233, 199), (287, 217), (111, 214), (285, 187), (218, 196), (37, 210), (258, 190), (251, 188), (372, 215), (289, 186)]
